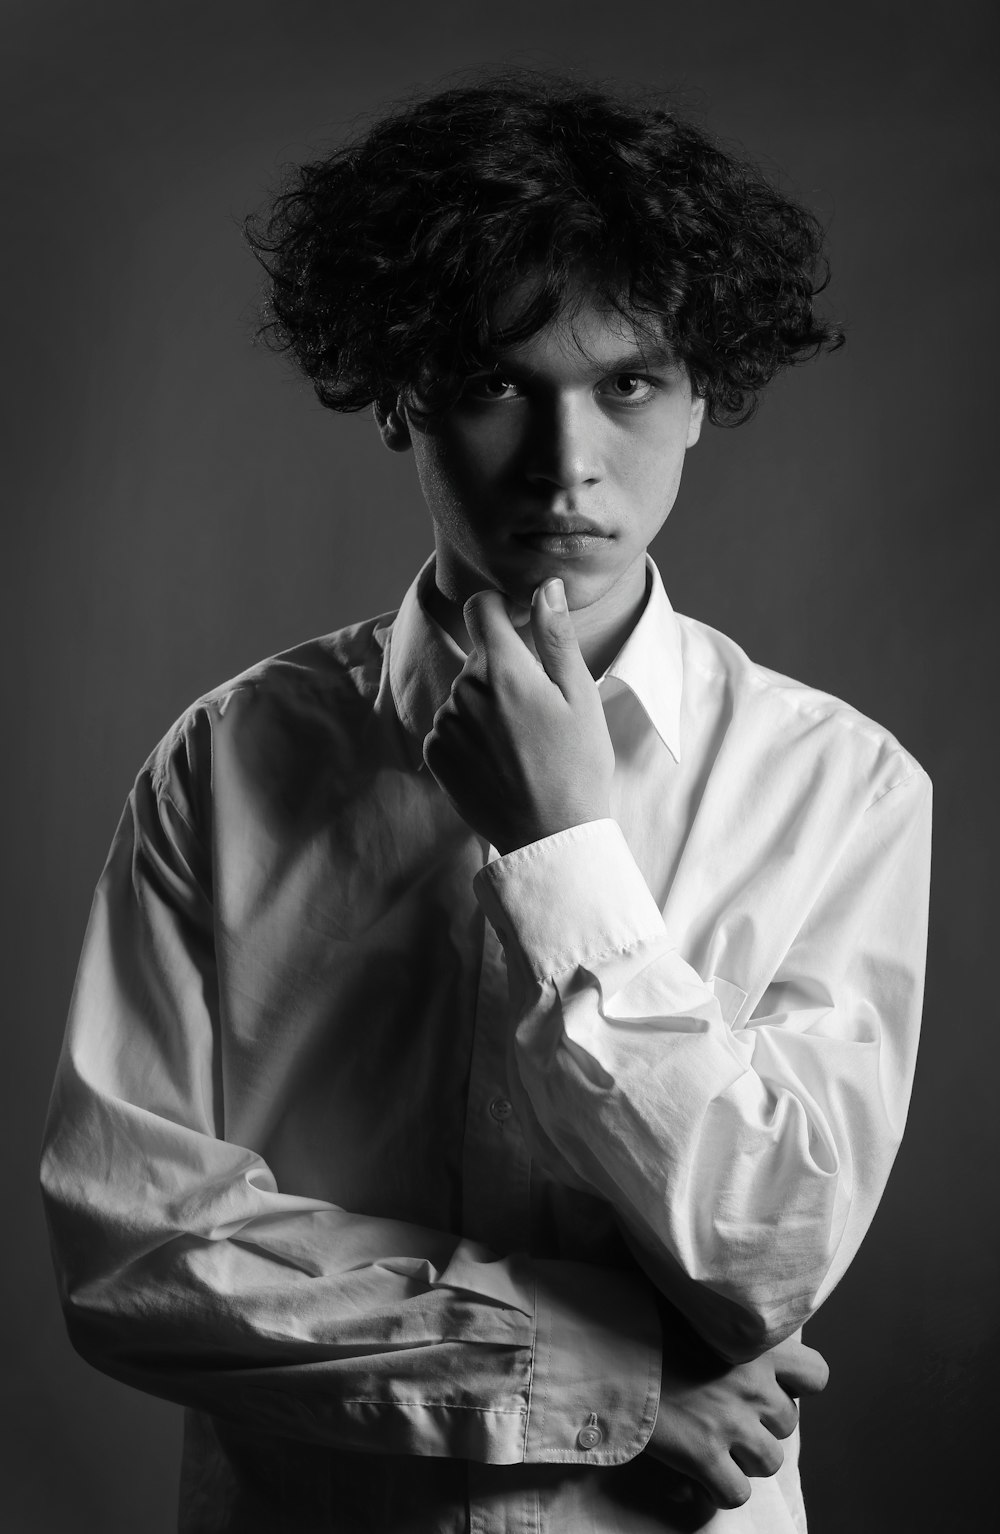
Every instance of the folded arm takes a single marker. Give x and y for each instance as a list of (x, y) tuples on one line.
[(186, 1271), (745, 1164)]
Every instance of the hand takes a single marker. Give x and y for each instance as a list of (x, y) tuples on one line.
[(521, 747), (719, 1423)]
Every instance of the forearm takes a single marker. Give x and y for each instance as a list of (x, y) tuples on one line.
[(744, 1163), (186, 1270), (205, 1285)]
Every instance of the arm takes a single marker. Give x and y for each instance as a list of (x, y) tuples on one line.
[(745, 1166), (632, 1082), (186, 1271)]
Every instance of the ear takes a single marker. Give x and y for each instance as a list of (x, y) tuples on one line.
[(695, 420), (391, 421)]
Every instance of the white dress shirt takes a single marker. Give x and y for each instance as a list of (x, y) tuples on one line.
[(377, 1149)]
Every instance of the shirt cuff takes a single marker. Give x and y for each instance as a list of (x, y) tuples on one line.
[(575, 899), (570, 897), (595, 1379)]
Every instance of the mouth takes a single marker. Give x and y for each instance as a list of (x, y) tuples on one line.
[(566, 538)]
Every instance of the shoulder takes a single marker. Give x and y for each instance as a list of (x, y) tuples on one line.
[(789, 726), (309, 696)]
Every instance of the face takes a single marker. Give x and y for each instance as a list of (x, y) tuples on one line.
[(565, 460)]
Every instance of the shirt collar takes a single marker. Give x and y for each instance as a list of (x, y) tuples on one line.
[(424, 660)]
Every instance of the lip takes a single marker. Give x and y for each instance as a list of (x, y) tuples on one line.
[(565, 541), (565, 538), (561, 526)]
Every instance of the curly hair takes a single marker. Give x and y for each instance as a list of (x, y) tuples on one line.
[(388, 258)]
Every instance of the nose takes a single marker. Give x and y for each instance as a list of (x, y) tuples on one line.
[(563, 446)]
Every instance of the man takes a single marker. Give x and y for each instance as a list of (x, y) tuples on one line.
[(497, 1018)]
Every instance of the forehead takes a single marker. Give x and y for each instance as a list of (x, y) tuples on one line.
[(587, 335)]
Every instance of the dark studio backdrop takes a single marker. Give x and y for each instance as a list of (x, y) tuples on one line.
[(179, 506)]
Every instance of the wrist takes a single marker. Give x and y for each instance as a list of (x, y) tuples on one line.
[(538, 830)]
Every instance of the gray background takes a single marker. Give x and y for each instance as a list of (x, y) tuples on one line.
[(180, 506)]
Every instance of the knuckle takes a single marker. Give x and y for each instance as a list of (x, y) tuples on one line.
[(763, 1457), (786, 1421), (772, 1457), (813, 1382), (732, 1495), (476, 671), (729, 1486)]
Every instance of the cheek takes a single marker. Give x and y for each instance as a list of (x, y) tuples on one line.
[(457, 467), (650, 473), (453, 493)]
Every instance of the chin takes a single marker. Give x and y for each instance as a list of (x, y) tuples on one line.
[(582, 590)]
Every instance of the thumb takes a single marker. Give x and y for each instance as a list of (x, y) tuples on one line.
[(555, 637)]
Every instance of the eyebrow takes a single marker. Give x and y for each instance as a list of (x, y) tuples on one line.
[(629, 362), (656, 357)]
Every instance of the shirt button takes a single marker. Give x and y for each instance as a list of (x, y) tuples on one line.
[(501, 1109), (589, 1437)]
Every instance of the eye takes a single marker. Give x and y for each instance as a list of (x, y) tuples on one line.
[(489, 386), (630, 388)]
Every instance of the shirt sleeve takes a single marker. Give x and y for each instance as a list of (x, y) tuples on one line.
[(185, 1271), (744, 1164)]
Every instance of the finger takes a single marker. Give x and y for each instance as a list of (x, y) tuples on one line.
[(761, 1455), (681, 1488), (555, 637), (800, 1370), (724, 1482), (780, 1415), (489, 626)]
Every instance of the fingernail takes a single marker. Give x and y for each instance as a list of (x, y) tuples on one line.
[(555, 595)]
